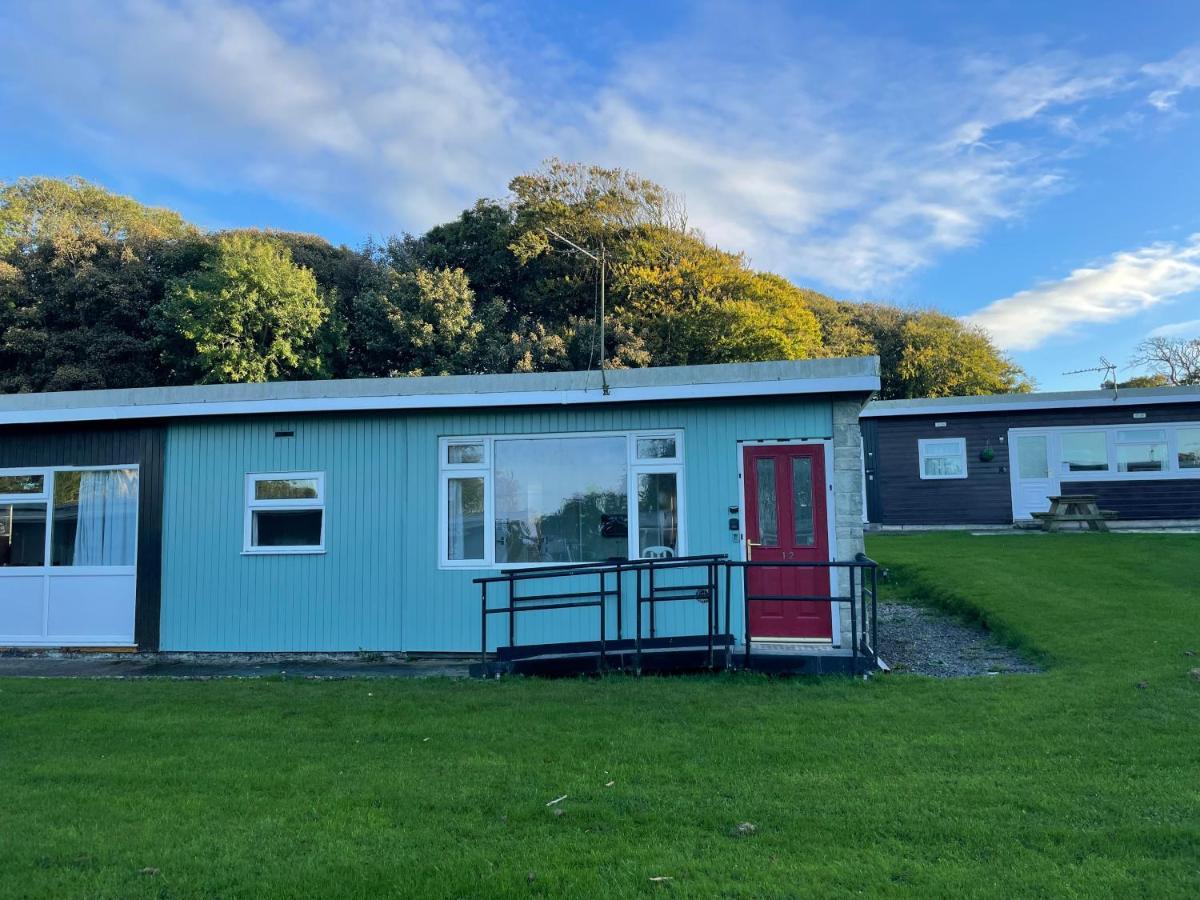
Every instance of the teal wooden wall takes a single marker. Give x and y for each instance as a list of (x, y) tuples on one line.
[(378, 585)]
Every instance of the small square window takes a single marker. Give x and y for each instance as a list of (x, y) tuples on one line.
[(942, 458), (285, 513)]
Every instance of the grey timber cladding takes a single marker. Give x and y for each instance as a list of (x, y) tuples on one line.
[(101, 445)]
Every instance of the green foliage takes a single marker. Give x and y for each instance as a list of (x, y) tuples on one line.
[(97, 290), (922, 353), (248, 313), (417, 323), (81, 272)]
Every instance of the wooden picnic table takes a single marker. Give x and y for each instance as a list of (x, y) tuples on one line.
[(1083, 509)]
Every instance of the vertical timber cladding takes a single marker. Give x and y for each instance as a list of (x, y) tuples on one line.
[(26, 446)]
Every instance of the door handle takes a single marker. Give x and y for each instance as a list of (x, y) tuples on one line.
[(749, 545)]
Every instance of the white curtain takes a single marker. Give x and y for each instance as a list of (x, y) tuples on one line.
[(107, 527)]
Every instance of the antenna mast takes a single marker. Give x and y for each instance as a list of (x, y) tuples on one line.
[(1108, 368), (600, 260)]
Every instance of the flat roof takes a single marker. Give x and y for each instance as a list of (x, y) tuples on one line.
[(992, 403), (855, 375)]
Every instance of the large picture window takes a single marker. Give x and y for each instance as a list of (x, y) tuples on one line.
[(69, 518), (553, 499)]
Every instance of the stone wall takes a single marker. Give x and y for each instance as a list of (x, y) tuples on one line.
[(847, 492)]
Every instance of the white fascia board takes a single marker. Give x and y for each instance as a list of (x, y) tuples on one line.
[(878, 412), (857, 384)]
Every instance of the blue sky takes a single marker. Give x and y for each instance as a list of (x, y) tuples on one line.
[(1030, 166)]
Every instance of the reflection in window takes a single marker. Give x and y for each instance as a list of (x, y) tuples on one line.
[(802, 500), (464, 454), (95, 518), (561, 500), (464, 497), (285, 489), (766, 498), (656, 448), (22, 484), (22, 534), (1031, 457), (1189, 448), (658, 515), (1084, 451), (1141, 457)]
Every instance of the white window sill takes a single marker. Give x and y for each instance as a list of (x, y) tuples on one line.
[(285, 551)]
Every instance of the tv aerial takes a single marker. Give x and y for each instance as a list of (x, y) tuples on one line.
[(1108, 368)]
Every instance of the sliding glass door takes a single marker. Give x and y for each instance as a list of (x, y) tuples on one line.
[(68, 556)]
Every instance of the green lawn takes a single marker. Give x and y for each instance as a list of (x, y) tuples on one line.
[(1073, 782)]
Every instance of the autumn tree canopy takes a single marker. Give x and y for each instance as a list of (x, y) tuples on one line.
[(98, 290)]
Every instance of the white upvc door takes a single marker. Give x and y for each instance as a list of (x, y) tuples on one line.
[(1031, 479), (77, 589)]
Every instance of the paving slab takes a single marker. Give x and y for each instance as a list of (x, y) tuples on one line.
[(195, 666)]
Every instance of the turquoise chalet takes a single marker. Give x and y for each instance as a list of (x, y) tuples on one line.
[(343, 516)]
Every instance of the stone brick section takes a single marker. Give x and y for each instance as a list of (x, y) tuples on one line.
[(847, 490)]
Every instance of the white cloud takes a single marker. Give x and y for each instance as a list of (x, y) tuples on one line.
[(1179, 73), (1128, 283), (380, 112), (825, 154), (1190, 328)]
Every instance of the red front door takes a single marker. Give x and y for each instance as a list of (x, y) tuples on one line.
[(786, 522)]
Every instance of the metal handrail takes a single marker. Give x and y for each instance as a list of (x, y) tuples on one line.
[(862, 597)]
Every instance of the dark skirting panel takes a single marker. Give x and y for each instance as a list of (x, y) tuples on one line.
[(24, 446)]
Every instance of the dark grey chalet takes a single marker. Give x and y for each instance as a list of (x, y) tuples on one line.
[(973, 461)]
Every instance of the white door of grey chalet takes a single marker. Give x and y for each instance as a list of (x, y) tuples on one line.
[(1029, 473)]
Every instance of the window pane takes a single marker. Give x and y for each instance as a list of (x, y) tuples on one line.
[(287, 527), (656, 448), (95, 518), (1031, 457), (1141, 457), (22, 534), (22, 484), (561, 499), (465, 531), (1084, 451), (658, 515), (460, 454), (1189, 448), (1142, 436), (766, 497), (943, 466), (285, 489), (802, 500)]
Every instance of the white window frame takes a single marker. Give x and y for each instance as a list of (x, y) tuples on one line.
[(293, 505), (923, 454), (1172, 470), (486, 471), (48, 474)]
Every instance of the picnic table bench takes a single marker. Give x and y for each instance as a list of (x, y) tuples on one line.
[(1081, 508)]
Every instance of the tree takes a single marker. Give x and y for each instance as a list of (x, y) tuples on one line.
[(942, 357), (1176, 360), (416, 323), (81, 271), (248, 313)]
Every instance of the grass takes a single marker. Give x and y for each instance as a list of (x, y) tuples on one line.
[(1074, 782)]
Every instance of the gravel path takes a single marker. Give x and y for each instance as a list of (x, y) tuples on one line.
[(926, 642)]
